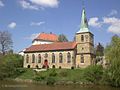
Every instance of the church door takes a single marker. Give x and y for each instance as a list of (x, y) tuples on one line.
[(45, 64)]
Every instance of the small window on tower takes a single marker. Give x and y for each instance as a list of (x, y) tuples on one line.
[(82, 59), (82, 38), (86, 36)]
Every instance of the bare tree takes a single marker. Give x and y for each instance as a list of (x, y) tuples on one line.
[(5, 41)]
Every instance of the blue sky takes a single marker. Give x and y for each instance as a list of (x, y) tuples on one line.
[(25, 18)]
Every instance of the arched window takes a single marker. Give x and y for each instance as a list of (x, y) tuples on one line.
[(82, 38), (33, 58), (60, 58), (39, 58), (27, 58), (82, 59), (53, 58), (68, 57)]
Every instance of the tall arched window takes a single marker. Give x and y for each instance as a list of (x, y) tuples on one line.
[(33, 58), (53, 58), (39, 58), (82, 38), (60, 58), (27, 58), (82, 59), (68, 57)]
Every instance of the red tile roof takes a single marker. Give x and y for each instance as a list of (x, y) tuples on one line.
[(47, 37), (52, 47)]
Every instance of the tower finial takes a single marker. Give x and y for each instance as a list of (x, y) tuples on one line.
[(83, 4), (84, 23)]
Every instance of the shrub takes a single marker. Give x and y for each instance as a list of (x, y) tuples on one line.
[(39, 78), (51, 81), (63, 73), (93, 73), (9, 64), (53, 73), (19, 71), (113, 76)]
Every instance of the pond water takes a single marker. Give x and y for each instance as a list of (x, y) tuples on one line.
[(11, 85)]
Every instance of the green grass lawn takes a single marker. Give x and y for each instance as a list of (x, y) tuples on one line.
[(92, 74), (28, 74), (57, 74)]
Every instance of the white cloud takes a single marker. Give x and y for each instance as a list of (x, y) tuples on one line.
[(27, 5), (114, 29), (1, 4), (12, 25), (113, 12), (38, 4), (36, 23), (114, 24), (94, 22), (111, 20), (33, 36), (46, 3)]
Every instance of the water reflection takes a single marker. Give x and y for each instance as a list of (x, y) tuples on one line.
[(11, 85)]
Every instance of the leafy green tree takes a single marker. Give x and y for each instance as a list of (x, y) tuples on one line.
[(93, 73), (9, 65), (112, 53), (62, 38)]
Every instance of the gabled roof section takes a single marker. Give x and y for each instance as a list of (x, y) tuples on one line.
[(47, 37), (57, 46), (84, 23)]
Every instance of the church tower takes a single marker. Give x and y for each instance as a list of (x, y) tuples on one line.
[(85, 44)]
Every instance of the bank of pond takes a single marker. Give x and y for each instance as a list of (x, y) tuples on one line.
[(92, 75), (13, 85)]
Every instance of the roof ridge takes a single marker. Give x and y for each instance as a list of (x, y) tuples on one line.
[(52, 47)]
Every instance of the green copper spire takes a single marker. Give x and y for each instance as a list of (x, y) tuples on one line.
[(84, 23)]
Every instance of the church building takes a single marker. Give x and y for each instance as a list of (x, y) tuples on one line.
[(47, 52)]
